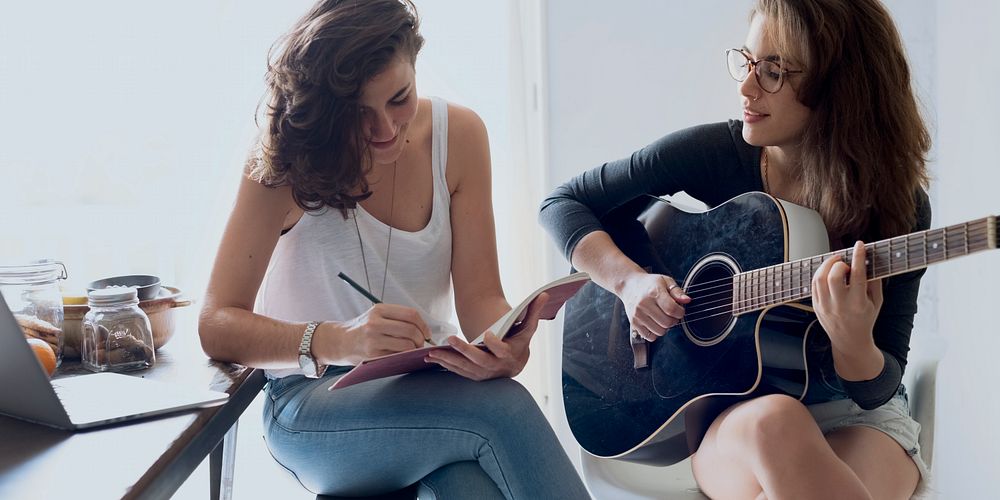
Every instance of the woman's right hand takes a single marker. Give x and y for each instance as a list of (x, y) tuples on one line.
[(384, 329), (654, 303)]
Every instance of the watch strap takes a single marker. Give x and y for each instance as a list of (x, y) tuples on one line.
[(305, 349)]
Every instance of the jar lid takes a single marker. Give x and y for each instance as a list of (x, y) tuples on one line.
[(41, 271), (112, 296)]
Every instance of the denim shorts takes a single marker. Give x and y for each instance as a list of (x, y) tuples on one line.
[(893, 418)]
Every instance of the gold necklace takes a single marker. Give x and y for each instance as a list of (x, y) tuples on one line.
[(763, 162), (388, 245)]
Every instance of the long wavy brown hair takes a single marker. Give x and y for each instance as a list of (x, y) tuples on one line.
[(312, 139), (864, 148)]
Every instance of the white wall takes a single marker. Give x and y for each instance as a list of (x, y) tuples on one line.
[(623, 74), (125, 125), (968, 175)]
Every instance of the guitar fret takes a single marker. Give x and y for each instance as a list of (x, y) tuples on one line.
[(747, 293), (760, 289), (944, 244), (869, 261), (772, 284), (912, 255), (768, 286), (772, 291), (901, 255), (936, 247), (923, 234), (748, 300), (786, 282), (756, 289), (792, 281), (779, 283), (737, 293), (805, 277), (798, 279), (965, 234), (882, 257)]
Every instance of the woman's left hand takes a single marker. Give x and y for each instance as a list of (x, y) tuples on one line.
[(847, 309), (503, 358)]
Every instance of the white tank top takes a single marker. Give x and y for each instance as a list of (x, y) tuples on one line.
[(301, 283)]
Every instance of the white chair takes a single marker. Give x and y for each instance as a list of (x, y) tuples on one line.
[(617, 480), (921, 385)]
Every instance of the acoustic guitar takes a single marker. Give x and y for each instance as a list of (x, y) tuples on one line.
[(747, 265)]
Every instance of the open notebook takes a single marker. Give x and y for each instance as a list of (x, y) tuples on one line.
[(509, 324)]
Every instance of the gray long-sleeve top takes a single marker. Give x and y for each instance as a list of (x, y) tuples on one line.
[(713, 163)]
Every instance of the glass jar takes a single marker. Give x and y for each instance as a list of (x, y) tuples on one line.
[(32, 294), (116, 335)]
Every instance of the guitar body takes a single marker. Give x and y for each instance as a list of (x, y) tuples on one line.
[(713, 358)]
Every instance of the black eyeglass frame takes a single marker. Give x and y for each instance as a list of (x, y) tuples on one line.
[(754, 68)]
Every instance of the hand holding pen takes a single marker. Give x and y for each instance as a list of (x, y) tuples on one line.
[(395, 321)]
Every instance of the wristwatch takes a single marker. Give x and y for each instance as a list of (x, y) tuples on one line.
[(307, 362)]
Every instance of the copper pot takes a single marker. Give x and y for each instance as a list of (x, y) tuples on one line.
[(160, 311)]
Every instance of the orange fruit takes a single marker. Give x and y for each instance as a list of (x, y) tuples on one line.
[(46, 356)]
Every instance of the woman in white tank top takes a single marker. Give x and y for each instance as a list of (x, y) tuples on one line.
[(354, 173)]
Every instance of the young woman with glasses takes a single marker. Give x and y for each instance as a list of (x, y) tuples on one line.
[(830, 122), (355, 173)]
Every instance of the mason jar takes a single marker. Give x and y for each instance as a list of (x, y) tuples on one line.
[(32, 294), (116, 334)]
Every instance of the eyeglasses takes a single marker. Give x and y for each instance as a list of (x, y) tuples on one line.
[(770, 75)]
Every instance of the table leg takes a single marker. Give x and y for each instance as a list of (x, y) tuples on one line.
[(222, 464)]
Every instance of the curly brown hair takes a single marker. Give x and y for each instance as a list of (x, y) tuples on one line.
[(313, 140), (864, 149)]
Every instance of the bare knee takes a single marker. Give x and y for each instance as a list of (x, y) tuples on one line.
[(766, 423)]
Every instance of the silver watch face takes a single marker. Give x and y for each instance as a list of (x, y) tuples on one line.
[(307, 365)]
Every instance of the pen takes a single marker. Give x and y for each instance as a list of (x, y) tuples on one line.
[(368, 295)]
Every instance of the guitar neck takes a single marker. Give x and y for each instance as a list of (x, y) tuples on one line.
[(792, 281)]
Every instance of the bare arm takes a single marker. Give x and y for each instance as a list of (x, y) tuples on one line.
[(597, 255), (654, 302), (479, 297), (231, 331)]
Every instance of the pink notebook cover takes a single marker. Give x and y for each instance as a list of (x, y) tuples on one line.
[(411, 361)]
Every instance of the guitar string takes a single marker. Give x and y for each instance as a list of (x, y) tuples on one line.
[(787, 266), (941, 236), (727, 309), (738, 304), (848, 254), (888, 244), (779, 291), (784, 268), (727, 283)]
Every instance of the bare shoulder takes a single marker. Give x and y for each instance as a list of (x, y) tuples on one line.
[(464, 125), (468, 146), (267, 203)]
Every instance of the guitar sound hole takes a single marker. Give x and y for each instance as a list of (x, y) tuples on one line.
[(709, 315)]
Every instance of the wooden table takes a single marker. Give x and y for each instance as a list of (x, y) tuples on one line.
[(145, 459)]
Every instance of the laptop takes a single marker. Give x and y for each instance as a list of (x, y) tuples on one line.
[(83, 401)]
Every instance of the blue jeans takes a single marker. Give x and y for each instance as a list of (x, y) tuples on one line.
[(457, 437)]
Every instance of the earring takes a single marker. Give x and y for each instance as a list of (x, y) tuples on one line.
[(756, 97)]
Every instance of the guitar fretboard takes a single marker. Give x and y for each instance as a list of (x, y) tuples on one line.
[(792, 281)]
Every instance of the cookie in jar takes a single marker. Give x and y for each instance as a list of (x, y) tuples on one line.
[(116, 334), (32, 294)]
